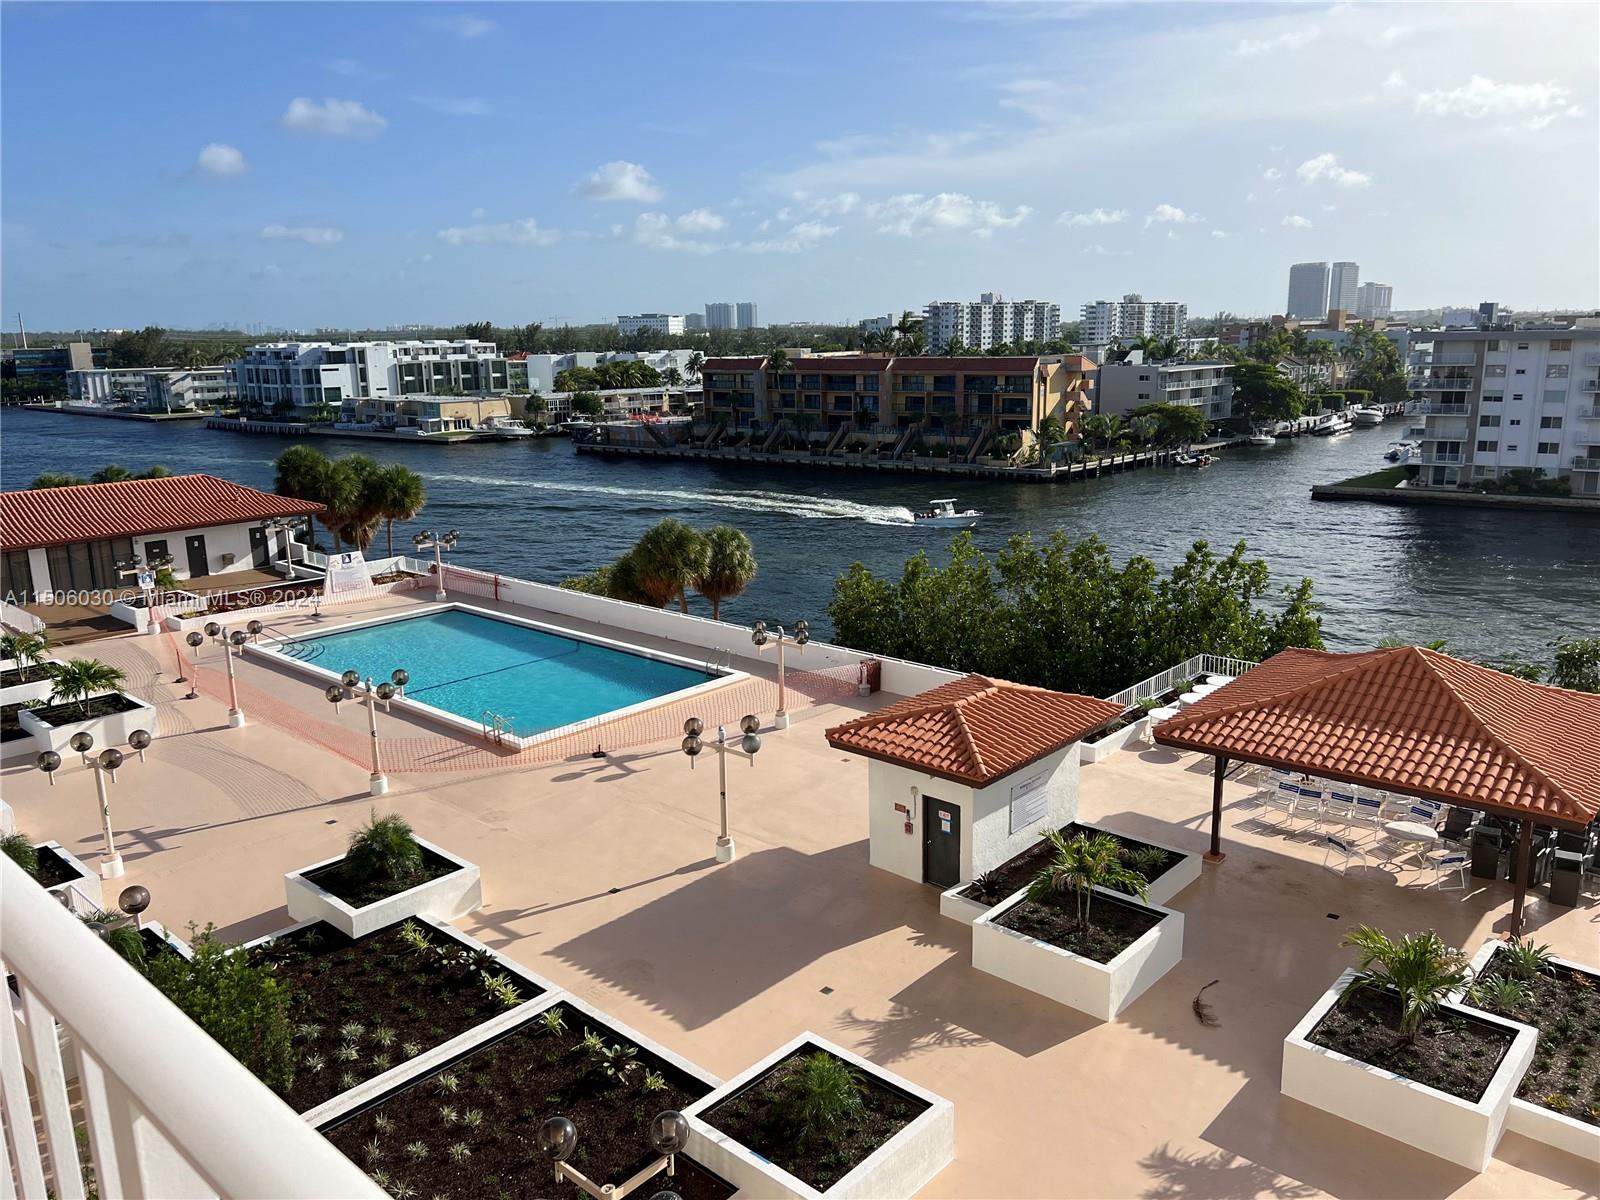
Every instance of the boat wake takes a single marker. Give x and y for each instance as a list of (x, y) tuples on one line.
[(674, 500)]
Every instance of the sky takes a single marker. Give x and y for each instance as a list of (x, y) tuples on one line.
[(306, 165)]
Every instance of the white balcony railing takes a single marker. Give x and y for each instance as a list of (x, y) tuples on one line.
[(1589, 385), (1446, 460), (1189, 668), (1440, 408), (1586, 464), (1449, 383), (1588, 414), (168, 1112)]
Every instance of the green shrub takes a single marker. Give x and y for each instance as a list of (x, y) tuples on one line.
[(383, 849), (20, 850), (822, 1093)]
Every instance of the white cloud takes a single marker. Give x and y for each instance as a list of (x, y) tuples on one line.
[(1170, 214), (832, 206), (525, 232), (1391, 34), (800, 237), (912, 213), (621, 181), (700, 220), (1296, 222), (465, 106), (1290, 39), (1272, 173), (1326, 166), (657, 231), (311, 235), (463, 25), (1219, 233), (1101, 251), (1482, 97), (332, 118), (1095, 216), (1395, 81), (221, 159)]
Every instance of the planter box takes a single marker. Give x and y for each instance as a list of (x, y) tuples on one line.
[(111, 730), (1535, 1120), (1176, 877), (1420, 1116), (447, 897), (958, 907), (83, 893), (20, 693), (1100, 989), (902, 1166), (22, 749), (1093, 752)]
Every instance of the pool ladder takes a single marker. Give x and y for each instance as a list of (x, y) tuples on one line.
[(494, 725)]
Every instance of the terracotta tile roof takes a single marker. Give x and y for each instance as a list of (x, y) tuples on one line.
[(1411, 720), (133, 507), (973, 730)]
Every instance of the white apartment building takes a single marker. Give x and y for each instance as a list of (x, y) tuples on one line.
[(745, 315), (1374, 301), (1124, 386), (992, 321), (307, 375), (878, 324), (1497, 400), (1458, 318), (165, 388), (1105, 321), (107, 385), (725, 314), (1343, 285), (537, 372), (650, 322), (1308, 292)]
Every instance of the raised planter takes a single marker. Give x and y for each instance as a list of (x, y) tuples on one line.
[(451, 895), (1105, 747), (1461, 1131), (111, 729), (32, 689), (1174, 879), (902, 1166), (82, 887), (957, 907), (1101, 989)]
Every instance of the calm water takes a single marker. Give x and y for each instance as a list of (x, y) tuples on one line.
[(465, 664), (1491, 583)]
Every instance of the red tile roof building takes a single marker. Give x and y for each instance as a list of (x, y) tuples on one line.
[(974, 730)]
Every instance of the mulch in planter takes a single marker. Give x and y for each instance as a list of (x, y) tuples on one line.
[(376, 995), (1019, 871), (15, 675), (10, 728), (360, 892), (73, 711), (1113, 926), (756, 1117), (514, 1084), (1565, 1009), (1451, 1052), (53, 869)]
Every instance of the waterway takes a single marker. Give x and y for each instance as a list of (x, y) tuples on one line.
[(1490, 583)]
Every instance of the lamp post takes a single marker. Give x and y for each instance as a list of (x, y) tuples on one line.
[(746, 747), (196, 639), (761, 633), (557, 1138), (427, 540), (385, 691), (133, 901), (285, 526), (144, 575), (104, 766), (235, 713)]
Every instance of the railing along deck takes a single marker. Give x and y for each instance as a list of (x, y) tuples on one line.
[(168, 1112), (1199, 664)]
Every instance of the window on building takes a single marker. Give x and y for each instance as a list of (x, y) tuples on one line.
[(1514, 421), (1556, 371), (1520, 371), (1488, 447), (1549, 448), (1516, 397), (1489, 422), (1561, 343), (1494, 371), (1522, 345), (1549, 422)]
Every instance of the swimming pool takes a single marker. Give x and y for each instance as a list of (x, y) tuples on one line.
[(464, 662)]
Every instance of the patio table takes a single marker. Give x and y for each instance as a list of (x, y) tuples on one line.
[(1413, 833), (1158, 715), (1205, 689), (1189, 698)]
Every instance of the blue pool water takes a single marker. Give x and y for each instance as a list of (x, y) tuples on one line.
[(464, 663)]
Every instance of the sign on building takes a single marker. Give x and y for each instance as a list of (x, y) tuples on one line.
[(346, 572), (1030, 801)]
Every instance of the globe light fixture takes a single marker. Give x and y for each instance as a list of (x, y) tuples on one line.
[(763, 634), (694, 744), (133, 901), (426, 540), (139, 741), (110, 760), (104, 766), (254, 628), (379, 782), (212, 629), (557, 1138), (196, 639), (49, 762), (237, 638)]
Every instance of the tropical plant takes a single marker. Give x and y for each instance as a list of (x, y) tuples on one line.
[(587, 404), (1502, 993), (820, 1093), (56, 479), (28, 649), (81, 678), (123, 938), (19, 849), (1082, 863), (241, 1004), (383, 849), (1419, 969), (668, 559), (778, 362), (730, 565), (1525, 959), (696, 361), (1146, 859), (1577, 664), (399, 496)]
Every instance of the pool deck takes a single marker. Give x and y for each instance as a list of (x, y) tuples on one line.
[(599, 875)]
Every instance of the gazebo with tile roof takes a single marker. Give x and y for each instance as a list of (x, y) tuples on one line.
[(1410, 720), (977, 767)]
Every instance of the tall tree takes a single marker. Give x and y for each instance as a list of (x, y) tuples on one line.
[(668, 559), (1263, 393), (400, 496), (730, 565)]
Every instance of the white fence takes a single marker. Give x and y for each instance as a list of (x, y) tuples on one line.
[(19, 619), (168, 1112), (1160, 685)]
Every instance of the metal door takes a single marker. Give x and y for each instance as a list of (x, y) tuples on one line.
[(196, 546), (260, 556), (941, 842)]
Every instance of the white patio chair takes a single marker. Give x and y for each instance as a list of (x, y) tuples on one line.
[(1349, 850), (1285, 797), (1368, 811), (1444, 864)]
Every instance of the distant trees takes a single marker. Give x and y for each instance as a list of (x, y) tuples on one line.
[(1174, 424), (671, 559), (110, 473), (631, 374), (587, 404), (357, 494), (1263, 393)]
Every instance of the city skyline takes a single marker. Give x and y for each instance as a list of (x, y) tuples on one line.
[(431, 178)]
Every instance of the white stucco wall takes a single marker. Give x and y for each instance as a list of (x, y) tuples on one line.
[(992, 841)]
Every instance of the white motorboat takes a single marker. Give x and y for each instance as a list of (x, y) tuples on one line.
[(1402, 452), (1186, 459), (943, 513), (1262, 438), (1366, 415), (505, 427), (1330, 423)]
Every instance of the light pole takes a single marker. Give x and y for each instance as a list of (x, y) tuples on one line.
[(746, 747), (345, 689), (285, 526), (237, 639), (196, 639), (761, 633), (103, 766), (144, 575), (557, 1138), (426, 540)]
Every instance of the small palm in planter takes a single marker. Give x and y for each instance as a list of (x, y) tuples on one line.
[(1081, 864), (383, 851), (28, 649), (21, 851), (81, 678), (1420, 969), (822, 1094)]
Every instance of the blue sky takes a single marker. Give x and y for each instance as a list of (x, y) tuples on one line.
[(349, 164)]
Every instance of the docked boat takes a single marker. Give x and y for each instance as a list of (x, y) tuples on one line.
[(1402, 452), (505, 427), (1330, 423), (1196, 461), (943, 513), (1366, 415), (1262, 438)]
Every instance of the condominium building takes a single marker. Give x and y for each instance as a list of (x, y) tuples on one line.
[(991, 321), (1103, 322), (307, 375), (1500, 400), (107, 385), (1343, 285), (881, 324), (745, 316), (1124, 386), (650, 323), (1308, 291), (724, 314), (153, 387), (694, 321), (1374, 301)]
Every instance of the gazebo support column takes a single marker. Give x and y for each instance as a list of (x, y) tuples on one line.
[(1219, 772), (1524, 861)]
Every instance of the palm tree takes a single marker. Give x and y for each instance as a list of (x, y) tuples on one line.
[(28, 649), (1051, 432), (1081, 864), (696, 361), (301, 473), (400, 496), (111, 473), (778, 363), (80, 678), (729, 567), (1144, 429), (539, 407), (362, 514), (55, 479), (1420, 969), (668, 559)]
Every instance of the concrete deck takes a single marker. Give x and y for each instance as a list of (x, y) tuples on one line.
[(67, 624), (600, 875)]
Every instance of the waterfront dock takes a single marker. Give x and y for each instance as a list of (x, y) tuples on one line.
[(115, 414), (310, 429), (1437, 496)]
